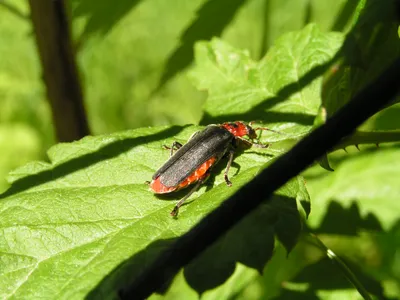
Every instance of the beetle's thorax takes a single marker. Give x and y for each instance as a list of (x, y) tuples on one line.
[(239, 129)]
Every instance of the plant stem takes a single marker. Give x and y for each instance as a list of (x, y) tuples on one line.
[(369, 137), (341, 264), (60, 71)]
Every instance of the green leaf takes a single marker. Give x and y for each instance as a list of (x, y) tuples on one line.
[(347, 12), (282, 90), (310, 283), (101, 15), (363, 191), (389, 246), (123, 67), (67, 224), (324, 163), (387, 119), (370, 47), (204, 27), (241, 277), (250, 242), (259, 23)]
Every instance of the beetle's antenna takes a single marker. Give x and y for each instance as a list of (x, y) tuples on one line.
[(263, 128)]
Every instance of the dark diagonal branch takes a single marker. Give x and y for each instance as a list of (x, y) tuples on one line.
[(218, 222), (60, 72)]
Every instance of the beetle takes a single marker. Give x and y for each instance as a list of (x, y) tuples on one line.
[(192, 162)]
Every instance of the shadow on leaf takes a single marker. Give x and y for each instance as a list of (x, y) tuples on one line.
[(343, 17), (212, 18), (250, 242), (348, 69), (109, 151), (102, 15), (370, 47), (351, 221), (123, 274), (323, 275), (260, 111)]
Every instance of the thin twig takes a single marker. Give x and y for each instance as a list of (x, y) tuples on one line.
[(341, 264), (259, 190)]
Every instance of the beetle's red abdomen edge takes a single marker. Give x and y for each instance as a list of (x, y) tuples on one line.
[(159, 188)]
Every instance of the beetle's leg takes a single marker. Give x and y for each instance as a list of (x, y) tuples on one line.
[(228, 166), (259, 145), (175, 146), (175, 211), (243, 141)]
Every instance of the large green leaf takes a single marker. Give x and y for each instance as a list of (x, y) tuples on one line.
[(355, 211), (66, 224), (283, 88), (363, 190), (370, 47), (252, 25), (69, 223)]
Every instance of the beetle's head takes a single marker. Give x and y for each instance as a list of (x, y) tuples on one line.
[(251, 132)]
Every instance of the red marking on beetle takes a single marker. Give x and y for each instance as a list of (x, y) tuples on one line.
[(236, 128), (198, 174), (159, 188), (240, 129)]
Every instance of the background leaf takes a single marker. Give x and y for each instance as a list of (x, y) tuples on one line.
[(366, 180), (370, 47), (101, 15), (362, 193), (251, 242), (206, 26), (282, 88)]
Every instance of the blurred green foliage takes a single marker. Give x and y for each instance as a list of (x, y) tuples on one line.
[(25, 121), (123, 51), (135, 57)]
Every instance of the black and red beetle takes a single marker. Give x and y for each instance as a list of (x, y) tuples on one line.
[(193, 161)]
